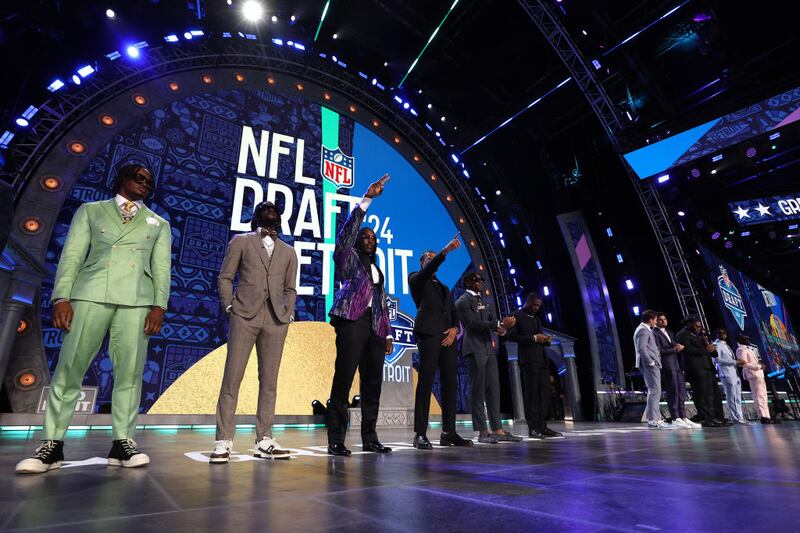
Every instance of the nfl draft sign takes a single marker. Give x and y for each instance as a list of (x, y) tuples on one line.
[(731, 297)]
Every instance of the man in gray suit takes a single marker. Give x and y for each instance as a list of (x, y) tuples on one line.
[(260, 312), (480, 321), (648, 361)]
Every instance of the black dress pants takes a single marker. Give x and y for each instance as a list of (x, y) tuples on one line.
[(357, 347), (433, 355), (536, 395), (703, 384)]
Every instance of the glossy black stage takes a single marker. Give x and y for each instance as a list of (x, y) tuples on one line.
[(602, 477)]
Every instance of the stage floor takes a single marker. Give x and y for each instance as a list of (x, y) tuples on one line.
[(602, 477)]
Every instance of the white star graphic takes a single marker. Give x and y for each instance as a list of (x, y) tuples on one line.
[(742, 212), (763, 210)]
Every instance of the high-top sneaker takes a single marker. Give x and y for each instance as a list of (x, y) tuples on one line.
[(268, 448), (124, 453), (48, 456), (222, 451)]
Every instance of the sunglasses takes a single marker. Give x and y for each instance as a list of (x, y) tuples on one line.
[(141, 179)]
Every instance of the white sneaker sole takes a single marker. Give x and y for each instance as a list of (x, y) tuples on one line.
[(137, 460), (219, 460), (265, 455), (36, 469)]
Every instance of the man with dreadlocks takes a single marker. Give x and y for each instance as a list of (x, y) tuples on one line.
[(360, 316), (113, 276)]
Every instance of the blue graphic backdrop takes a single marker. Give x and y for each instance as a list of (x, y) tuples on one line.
[(192, 147)]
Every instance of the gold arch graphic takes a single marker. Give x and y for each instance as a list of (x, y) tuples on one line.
[(305, 375)]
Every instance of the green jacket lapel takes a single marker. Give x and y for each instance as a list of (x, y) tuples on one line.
[(113, 213)]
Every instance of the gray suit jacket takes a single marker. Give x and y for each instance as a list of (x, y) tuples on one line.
[(479, 324), (646, 349), (260, 277)]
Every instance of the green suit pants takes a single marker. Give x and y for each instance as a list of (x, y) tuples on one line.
[(127, 348)]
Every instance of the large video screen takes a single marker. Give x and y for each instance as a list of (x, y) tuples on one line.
[(761, 314), (214, 156)]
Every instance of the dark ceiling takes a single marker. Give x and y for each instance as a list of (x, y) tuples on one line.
[(488, 62)]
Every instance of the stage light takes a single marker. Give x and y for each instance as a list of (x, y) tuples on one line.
[(609, 232), (745, 234), (663, 178), (681, 213), (252, 11), (715, 236), (728, 245), (50, 183), (497, 192), (443, 119), (111, 14), (187, 35), (299, 46), (21, 122), (519, 301), (85, 71), (293, 18), (174, 86), (512, 271), (629, 284), (695, 173), (172, 38), (774, 147), (546, 290), (430, 106), (76, 79), (113, 56), (454, 157), (528, 239), (751, 152), (619, 258), (635, 310), (549, 317), (229, 2), (714, 171), (406, 105), (55, 85), (132, 52), (539, 265), (279, 42), (274, 18), (716, 158), (335, 36), (502, 243), (5, 139)]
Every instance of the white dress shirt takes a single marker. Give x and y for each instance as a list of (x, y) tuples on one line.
[(268, 242)]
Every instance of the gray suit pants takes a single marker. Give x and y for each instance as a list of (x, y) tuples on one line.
[(484, 383), (267, 334), (733, 395), (652, 378)]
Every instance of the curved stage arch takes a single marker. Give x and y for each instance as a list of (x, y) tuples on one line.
[(119, 119)]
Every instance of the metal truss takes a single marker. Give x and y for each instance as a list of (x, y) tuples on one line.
[(62, 111), (544, 15)]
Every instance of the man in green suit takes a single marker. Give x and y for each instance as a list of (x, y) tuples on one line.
[(113, 276)]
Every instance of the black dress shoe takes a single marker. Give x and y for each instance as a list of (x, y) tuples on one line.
[(532, 433), (454, 439), (377, 447), (725, 422), (421, 442), (338, 448), (711, 424), (550, 434)]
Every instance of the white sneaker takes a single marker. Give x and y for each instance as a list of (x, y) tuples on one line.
[(660, 424), (269, 448), (692, 425), (680, 424), (222, 451)]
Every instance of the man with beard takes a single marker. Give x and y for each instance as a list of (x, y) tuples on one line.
[(113, 277), (697, 352), (363, 331), (534, 369), (435, 328), (260, 312)]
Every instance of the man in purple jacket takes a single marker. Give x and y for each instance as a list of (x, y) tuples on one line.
[(363, 331)]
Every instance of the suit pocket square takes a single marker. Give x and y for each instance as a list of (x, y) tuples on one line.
[(153, 221)]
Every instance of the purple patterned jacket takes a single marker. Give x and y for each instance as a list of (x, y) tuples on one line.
[(351, 299)]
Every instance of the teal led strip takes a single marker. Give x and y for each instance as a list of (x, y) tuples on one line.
[(414, 64), (322, 18)]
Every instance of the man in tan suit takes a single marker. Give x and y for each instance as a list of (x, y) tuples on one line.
[(260, 312)]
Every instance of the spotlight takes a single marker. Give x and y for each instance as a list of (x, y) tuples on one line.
[(681, 213), (715, 236), (274, 18), (695, 173), (546, 290), (335, 36), (252, 11), (187, 36), (132, 52), (620, 259), (430, 106), (55, 85), (293, 18), (76, 79), (635, 310), (629, 284), (751, 152), (549, 317), (229, 2), (111, 14), (385, 63), (714, 171), (21, 122), (663, 178), (728, 245), (356, 401), (443, 119), (497, 192)]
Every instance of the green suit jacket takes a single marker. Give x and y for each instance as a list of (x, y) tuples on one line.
[(106, 261)]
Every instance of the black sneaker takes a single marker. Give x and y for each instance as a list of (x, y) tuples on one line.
[(124, 453), (48, 456)]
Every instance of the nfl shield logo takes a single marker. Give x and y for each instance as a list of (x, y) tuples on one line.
[(337, 167), (391, 305)]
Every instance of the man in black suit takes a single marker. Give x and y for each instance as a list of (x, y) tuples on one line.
[(673, 379), (700, 370), (480, 321), (435, 328), (534, 369)]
